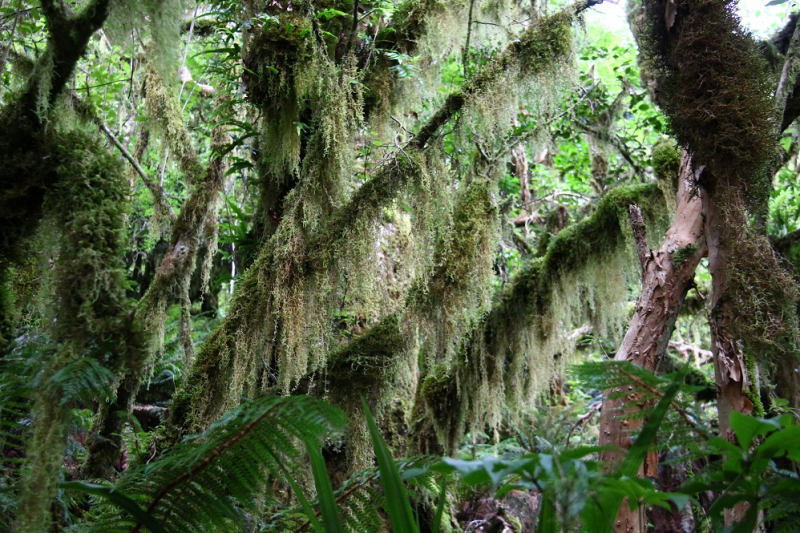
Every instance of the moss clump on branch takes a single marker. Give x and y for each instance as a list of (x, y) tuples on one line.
[(91, 201), (715, 88), (666, 161), (412, 19), (765, 294), (682, 254), (460, 286), (274, 52), (362, 362), (440, 393)]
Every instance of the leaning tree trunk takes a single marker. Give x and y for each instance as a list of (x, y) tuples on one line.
[(666, 277)]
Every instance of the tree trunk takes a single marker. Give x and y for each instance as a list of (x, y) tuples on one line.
[(665, 283), (730, 370)]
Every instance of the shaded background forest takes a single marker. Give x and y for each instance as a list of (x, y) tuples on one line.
[(209, 211)]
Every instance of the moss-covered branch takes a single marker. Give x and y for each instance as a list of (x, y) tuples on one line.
[(510, 355), (288, 282), (170, 284), (516, 333), (546, 43), (92, 318), (68, 36)]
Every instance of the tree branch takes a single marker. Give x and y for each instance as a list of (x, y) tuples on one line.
[(788, 78), (67, 42)]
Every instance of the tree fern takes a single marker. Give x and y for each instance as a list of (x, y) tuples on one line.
[(211, 482), (27, 376)]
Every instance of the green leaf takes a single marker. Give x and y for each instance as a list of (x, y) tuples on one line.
[(327, 500), (397, 506), (328, 14), (747, 428), (786, 441)]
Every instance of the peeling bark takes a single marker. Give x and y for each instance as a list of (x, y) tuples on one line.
[(664, 286)]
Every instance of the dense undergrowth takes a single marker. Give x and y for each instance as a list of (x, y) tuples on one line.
[(362, 265)]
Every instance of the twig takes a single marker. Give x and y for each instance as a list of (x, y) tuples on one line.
[(583, 419), (411, 133), (156, 190), (355, 26), (788, 74), (469, 34), (10, 39), (615, 142)]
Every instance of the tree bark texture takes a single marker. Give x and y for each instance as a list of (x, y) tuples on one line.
[(664, 286)]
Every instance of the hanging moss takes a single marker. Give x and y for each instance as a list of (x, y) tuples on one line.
[(459, 288), (411, 20), (328, 231), (165, 116), (440, 392), (27, 169), (274, 51), (92, 315), (163, 19), (509, 356)]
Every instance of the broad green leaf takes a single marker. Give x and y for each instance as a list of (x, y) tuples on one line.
[(327, 500), (747, 427), (397, 505)]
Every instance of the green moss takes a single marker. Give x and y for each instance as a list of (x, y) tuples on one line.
[(666, 161), (509, 356), (166, 116), (459, 288), (91, 203), (87, 207), (549, 41), (727, 120), (602, 232), (682, 254), (274, 52), (362, 362), (442, 399), (513, 521), (753, 391), (411, 20)]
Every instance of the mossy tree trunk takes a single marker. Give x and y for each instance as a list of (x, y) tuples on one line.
[(729, 123), (668, 273)]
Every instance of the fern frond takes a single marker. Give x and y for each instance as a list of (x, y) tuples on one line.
[(82, 381), (211, 481)]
